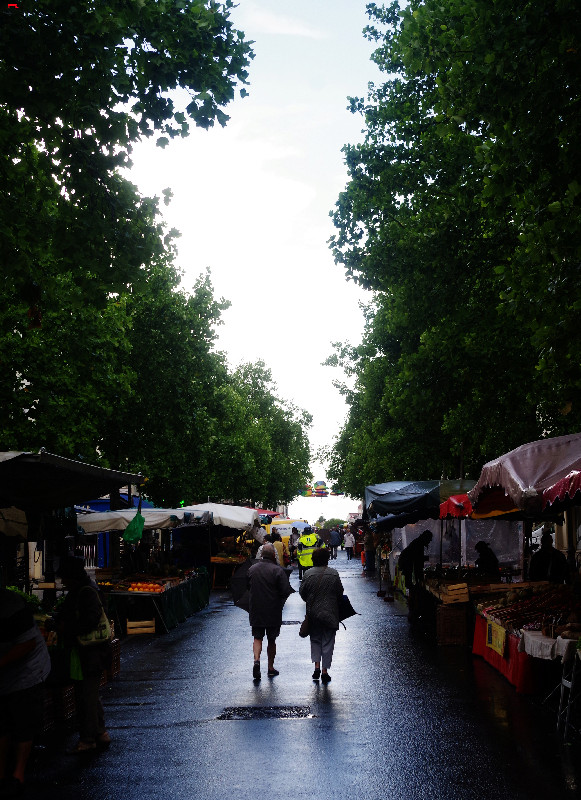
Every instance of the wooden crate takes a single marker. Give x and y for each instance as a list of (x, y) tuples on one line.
[(140, 626), (455, 593), (452, 624)]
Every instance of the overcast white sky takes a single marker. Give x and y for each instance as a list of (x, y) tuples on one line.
[(252, 202)]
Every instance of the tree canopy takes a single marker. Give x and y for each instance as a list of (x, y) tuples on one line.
[(462, 216), (105, 355)]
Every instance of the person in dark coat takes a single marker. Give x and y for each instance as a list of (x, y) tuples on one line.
[(269, 588), (321, 590), (548, 564), (411, 566), (80, 614), (487, 562)]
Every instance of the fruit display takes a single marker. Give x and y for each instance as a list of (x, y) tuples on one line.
[(547, 610)]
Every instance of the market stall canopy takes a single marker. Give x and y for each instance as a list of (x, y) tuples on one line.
[(564, 493), (119, 520), (457, 506), (399, 503), (238, 517), (13, 522), (519, 478), (43, 481)]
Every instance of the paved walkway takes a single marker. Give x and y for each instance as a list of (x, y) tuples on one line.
[(401, 718)]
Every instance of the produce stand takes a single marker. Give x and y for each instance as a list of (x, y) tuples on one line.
[(177, 600), (223, 568), (531, 622)]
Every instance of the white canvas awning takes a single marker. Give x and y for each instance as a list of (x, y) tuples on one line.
[(242, 519), (119, 520), (237, 517)]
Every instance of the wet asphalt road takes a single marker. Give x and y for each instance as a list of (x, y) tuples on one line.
[(401, 718)]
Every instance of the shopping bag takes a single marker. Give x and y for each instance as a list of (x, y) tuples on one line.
[(345, 608)]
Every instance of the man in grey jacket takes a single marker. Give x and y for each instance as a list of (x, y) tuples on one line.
[(269, 588)]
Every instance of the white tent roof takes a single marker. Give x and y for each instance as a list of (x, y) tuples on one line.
[(119, 520), (229, 516), (238, 517)]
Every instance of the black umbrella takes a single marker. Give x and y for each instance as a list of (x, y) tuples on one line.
[(239, 586)]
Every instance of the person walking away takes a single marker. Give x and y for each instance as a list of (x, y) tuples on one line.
[(269, 588), (411, 566), (321, 590), (292, 543), (307, 543), (548, 564), (268, 540), (281, 550), (349, 542), (335, 540), (24, 667), (80, 614)]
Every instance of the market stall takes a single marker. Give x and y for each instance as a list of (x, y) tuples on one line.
[(150, 606)]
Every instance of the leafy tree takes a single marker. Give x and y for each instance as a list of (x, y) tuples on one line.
[(452, 370), (100, 77), (333, 523), (263, 452), (167, 425)]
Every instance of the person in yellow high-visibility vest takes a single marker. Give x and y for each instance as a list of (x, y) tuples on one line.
[(307, 542)]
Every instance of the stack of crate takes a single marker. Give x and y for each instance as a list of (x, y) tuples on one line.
[(454, 593)]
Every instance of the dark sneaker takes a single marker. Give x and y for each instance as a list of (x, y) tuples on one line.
[(256, 671), (325, 677), (316, 674), (272, 673)]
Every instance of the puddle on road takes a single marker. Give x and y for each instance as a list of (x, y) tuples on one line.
[(266, 712)]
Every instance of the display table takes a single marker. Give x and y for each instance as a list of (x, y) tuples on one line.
[(222, 571), (168, 608), (515, 665), (538, 646)]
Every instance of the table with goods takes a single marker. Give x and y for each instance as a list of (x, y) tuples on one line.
[(531, 621), (152, 604)]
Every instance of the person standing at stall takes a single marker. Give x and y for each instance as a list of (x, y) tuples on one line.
[(411, 566), (80, 614), (269, 588), (487, 562), (548, 564)]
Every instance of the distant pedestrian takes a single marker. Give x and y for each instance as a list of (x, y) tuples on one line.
[(335, 540), (24, 667), (268, 540), (269, 588), (349, 542), (292, 543), (281, 549), (306, 545), (321, 589)]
